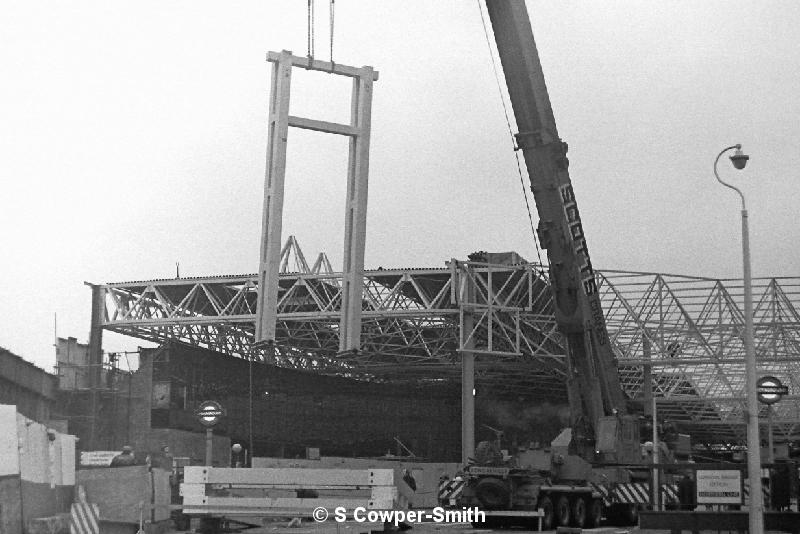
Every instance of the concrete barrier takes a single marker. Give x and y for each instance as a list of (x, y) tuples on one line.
[(119, 492), (37, 472), (57, 524)]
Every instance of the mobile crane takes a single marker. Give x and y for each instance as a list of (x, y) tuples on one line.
[(559, 480), (593, 385)]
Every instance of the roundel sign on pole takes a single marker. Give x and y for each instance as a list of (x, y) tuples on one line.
[(769, 390), (209, 413)]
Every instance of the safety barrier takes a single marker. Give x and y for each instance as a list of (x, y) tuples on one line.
[(449, 491), (634, 493), (84, 518)]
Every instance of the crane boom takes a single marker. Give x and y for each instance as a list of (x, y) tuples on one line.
[(593, 384)]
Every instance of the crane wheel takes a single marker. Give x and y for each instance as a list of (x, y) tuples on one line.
[(546, 504), (563, 511), (493, 493), (578, 512), (594, 513)]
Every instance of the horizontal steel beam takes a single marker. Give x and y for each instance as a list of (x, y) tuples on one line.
[(678, 362), (325, 66), (323, 126), (311, 317)]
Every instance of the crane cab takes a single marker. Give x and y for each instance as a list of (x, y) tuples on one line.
[(617, 440)]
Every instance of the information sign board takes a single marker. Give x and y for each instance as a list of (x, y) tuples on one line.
[(719, 486)]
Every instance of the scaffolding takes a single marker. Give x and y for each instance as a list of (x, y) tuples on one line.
[(100, 411)]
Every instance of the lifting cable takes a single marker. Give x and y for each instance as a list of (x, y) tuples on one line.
[(310, 31), (332, 9), (511, 134)]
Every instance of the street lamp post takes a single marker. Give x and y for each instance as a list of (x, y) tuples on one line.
[(739, 160)]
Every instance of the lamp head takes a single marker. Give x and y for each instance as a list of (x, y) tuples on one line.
[(739, 158)]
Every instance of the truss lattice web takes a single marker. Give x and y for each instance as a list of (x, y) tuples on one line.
[(690, 329)]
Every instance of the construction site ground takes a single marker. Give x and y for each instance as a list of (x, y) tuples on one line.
[(432, 528), (350, 527)]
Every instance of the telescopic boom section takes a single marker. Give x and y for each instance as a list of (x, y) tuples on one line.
[(593, 382)]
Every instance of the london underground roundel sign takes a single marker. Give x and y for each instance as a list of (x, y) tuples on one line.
[(209, 413), (769, 390)]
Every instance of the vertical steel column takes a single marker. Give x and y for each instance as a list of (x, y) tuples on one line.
[(95, 356), (467, 404), (650, 395), (467, 366), (355, 229), (271, 225), (647, 379)]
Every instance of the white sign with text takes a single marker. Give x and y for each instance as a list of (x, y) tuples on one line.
[(719, 486)]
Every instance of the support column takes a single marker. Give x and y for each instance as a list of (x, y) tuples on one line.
[(272, 218), (96, 357), (647, 381), (467, 406), (355, 225), (650, 406), (467, 366)]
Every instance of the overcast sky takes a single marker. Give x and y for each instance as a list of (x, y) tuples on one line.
[(133, 134)]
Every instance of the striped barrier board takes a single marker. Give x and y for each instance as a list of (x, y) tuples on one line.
[(639, 492), (669, 493), (634, 493), (631, 493), (764, 490), (450, 491), (84, 518), (623, 493), (604, 491)]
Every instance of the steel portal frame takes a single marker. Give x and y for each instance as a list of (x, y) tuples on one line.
[(412, 328), (358, 133)]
